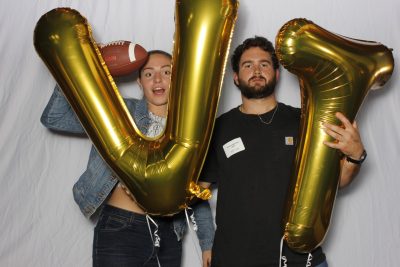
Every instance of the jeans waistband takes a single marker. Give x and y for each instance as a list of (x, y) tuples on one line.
[(130, 215)]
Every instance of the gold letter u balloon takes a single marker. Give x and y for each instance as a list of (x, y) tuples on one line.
[(335, 74), (162, 172)]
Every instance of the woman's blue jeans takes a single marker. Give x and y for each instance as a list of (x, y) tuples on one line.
[(122, 238)]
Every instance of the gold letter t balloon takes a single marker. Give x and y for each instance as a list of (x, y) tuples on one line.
[(335, 74), (162, 172)]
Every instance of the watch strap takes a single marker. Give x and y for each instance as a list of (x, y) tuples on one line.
[(358, 161)]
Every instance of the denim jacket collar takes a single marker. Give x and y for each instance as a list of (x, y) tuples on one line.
[(140, 112)]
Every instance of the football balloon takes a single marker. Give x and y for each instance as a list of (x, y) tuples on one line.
[(123, 57)]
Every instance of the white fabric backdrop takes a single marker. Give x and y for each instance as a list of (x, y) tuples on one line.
[(40, 223)]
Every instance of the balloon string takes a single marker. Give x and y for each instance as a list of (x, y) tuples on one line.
[(309, 260), (282, 258), (156, 240), (192, 219)]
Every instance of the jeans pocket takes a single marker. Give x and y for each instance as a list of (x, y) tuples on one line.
[(112, 223)]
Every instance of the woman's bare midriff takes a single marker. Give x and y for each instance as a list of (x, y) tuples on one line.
[(120, 199)]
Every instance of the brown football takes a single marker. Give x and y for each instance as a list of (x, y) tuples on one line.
[(123, 57)]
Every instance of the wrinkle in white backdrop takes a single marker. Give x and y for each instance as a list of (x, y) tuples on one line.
[(40, 223)]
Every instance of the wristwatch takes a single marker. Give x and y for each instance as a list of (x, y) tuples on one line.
[(358, 161)]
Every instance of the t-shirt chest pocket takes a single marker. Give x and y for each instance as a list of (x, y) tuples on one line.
[(284, 146)]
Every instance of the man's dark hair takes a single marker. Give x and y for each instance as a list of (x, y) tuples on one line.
[(257, 41), (152, 52)]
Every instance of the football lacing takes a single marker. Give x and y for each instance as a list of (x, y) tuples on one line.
[(120, 42)]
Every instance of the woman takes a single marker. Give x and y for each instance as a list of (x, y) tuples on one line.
[(122, 235)]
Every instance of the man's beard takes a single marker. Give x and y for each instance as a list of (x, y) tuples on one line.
[(252, 92)]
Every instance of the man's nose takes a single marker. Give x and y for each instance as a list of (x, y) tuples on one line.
[(257, 70)]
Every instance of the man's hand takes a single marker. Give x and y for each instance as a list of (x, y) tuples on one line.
[(348, 141), (206, 258), (347, 137)]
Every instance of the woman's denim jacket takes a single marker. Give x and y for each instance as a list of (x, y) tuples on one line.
[(96, 183)]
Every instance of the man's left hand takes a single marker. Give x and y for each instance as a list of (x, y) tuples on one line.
[(347, 137)]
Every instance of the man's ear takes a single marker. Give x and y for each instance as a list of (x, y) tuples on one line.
[(236, 79), (277, 74)]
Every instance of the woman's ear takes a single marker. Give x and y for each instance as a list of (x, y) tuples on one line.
[(139, 83)]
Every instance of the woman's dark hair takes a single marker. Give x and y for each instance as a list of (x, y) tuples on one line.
[(257, 41), (152, 52)]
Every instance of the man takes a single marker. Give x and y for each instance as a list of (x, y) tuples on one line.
[(251, 163)]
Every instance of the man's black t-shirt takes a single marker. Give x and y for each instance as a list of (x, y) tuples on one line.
[(251, 162)]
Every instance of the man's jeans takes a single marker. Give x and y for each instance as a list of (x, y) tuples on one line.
[(122, 238), (324, 264)]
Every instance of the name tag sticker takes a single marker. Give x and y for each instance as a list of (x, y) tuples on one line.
[(234, 146), (289, 141)]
